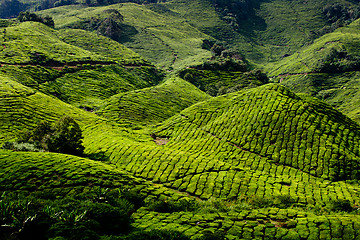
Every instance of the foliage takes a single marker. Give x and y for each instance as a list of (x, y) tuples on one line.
[(341, 205), (21, 146), (64, 137), (208, 235), (339, 14), (154, 234), (224, 64), (219, 82), (28, 16), (169, 206), (338, 61), (151, 105), (109, 24), (11, 8), (28, 217)]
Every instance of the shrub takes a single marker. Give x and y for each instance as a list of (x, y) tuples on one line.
[(168, 206), (155, 234), (112, 220), (341, 205), (208, 235), (64, 137), (25, 147)]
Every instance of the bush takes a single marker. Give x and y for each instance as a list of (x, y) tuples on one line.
[(112, 220), (66, 137), (166, 206), (208, 235), (341, 205), (338, 61), (24, 147), (155, 234)]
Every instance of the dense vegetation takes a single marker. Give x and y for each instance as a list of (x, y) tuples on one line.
[(218, 127)]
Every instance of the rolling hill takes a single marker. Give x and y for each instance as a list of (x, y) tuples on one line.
[(177, 146), (209, 151), (321, 71)]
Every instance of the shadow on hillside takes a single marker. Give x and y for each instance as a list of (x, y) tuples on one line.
[(127, 33)]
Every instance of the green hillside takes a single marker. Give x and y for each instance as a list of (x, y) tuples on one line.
[(248, 187), (326, 69), (322, 53), (180, 135), (170, 33), (164, 39), (76, 71), (151, 105)]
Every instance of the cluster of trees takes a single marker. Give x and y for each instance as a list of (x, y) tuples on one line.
[(338, 61), (11, 8), (29, 16), (233, 11), (109, 24), (64, 136), (339, 12), (337, 15)]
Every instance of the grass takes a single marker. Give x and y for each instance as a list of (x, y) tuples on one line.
[(220, 82), (86, 86), (69, 67), (260, 163), (337, 89), (162, 39), (32, 42)]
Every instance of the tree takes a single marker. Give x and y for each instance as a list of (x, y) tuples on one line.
[(28, 16), (111, 26), (66, 137), (10, 8), (63, 137)]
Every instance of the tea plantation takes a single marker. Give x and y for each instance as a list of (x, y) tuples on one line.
[(244, 178), (182, 135)]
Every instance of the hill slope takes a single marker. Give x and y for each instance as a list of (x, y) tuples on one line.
[(162, 32), (151, 105), (214, 149), (327, 69)]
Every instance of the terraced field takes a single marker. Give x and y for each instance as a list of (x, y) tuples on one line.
[(250, 183), (316, 70), (212, 154), (151, 105)]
